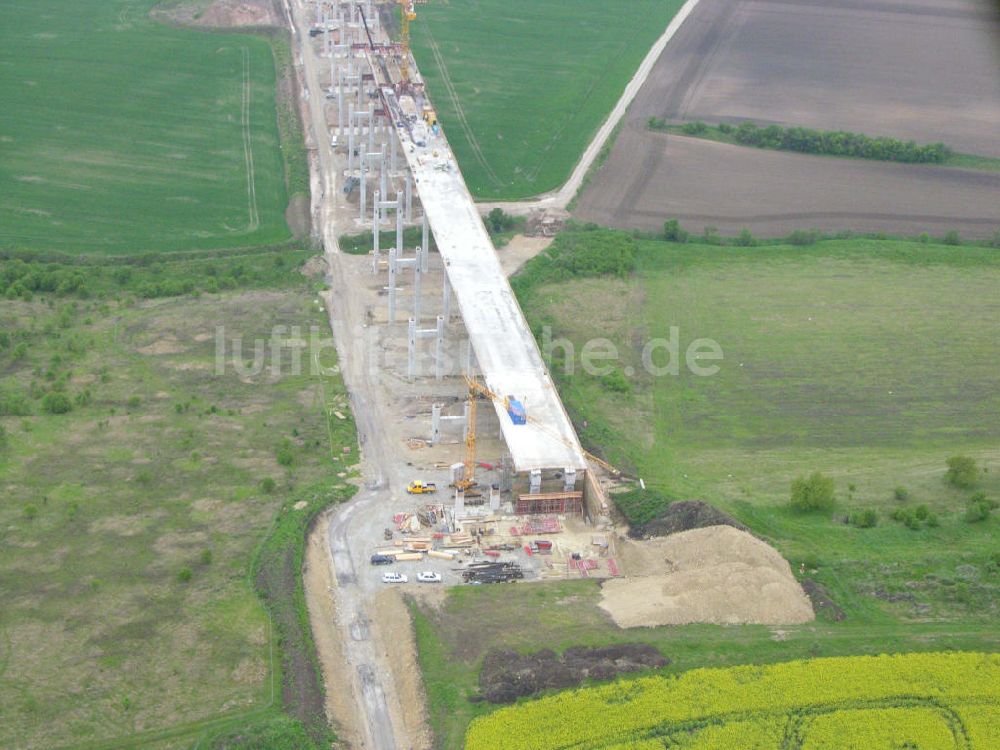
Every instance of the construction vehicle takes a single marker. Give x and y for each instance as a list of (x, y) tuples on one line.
[(419, 487), (407, 13), (430, 117), (516, 411)]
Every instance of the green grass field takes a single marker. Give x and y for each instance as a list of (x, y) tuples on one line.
[(132, 547), (871, 361), (521, 86), (121, 135)]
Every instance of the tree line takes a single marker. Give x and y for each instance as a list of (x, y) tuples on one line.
[(810, 141)]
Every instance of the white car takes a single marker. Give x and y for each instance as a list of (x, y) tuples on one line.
[(429, 577), (392, 577)]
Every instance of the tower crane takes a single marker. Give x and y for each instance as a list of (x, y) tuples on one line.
[(477, 389), (407, 13)]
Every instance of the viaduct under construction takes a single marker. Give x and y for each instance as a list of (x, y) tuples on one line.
[(397, 154)]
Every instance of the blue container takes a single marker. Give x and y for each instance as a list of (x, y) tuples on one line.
[(516, 411)]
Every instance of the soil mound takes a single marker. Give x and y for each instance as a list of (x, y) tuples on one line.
[(718, 574), (684, 516), (507, 675)]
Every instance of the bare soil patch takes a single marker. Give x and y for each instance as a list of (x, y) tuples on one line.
[(684, 516), (222, 13), (716, 575), (520, 250), (897, 68), (821, 601), (507, 675), (318, 583), (395, 628), (315, 267)]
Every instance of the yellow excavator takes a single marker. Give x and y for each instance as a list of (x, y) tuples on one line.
[(477, 389)]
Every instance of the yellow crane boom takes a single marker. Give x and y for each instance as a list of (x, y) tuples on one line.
[(407, 13), (478, 389)]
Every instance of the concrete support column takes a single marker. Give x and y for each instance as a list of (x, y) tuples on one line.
[(425, 239), (383, 182), (350, 137), (371, 129), (363, 186), (393, 270), (408, 191), (439, 349), (435, 424), (446, 298), (376, 239), (392, 147), (411, 340)]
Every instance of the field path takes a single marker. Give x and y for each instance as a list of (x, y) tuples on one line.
[(560, 198), (470, 136), (253, 221)]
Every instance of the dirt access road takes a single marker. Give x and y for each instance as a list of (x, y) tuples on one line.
[(377, 716), (895, 68)]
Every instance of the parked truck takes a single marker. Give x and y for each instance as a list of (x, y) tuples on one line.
[(420, 487)]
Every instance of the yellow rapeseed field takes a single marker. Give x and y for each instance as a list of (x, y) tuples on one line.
[(934, 701)]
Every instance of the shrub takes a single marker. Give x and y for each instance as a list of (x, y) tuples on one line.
[(616, 382), (962, 472), (863, 519), (498, 221), (977, 511), (952, 238), (725, 128), (55, 402), (267, 485), (184, 575), (3, 437), (814, 493), (672, 232), (19, 351), (901, 494), (206, 557), (745, 239), (803, 237), (31, 512), (921, 512), (284, 454), (694, 128), (133, 402)]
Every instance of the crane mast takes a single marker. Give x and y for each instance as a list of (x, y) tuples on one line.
[(407, 13)]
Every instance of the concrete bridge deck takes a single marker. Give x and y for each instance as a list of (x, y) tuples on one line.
[(505, 349)]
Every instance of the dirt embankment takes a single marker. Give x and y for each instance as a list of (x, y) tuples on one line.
[(323, 620), (507, 675), (717, 574), (395, 628), (221, 14)]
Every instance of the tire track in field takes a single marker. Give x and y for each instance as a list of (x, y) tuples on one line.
[(254, 216), (460, 112)]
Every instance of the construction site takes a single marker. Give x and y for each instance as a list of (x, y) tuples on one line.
[(473, 406)]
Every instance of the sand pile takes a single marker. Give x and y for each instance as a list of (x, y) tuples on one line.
[(717, 574)]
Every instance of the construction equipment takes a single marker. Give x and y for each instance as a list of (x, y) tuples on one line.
[(407, 13), (419, 487), (517, 413)]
